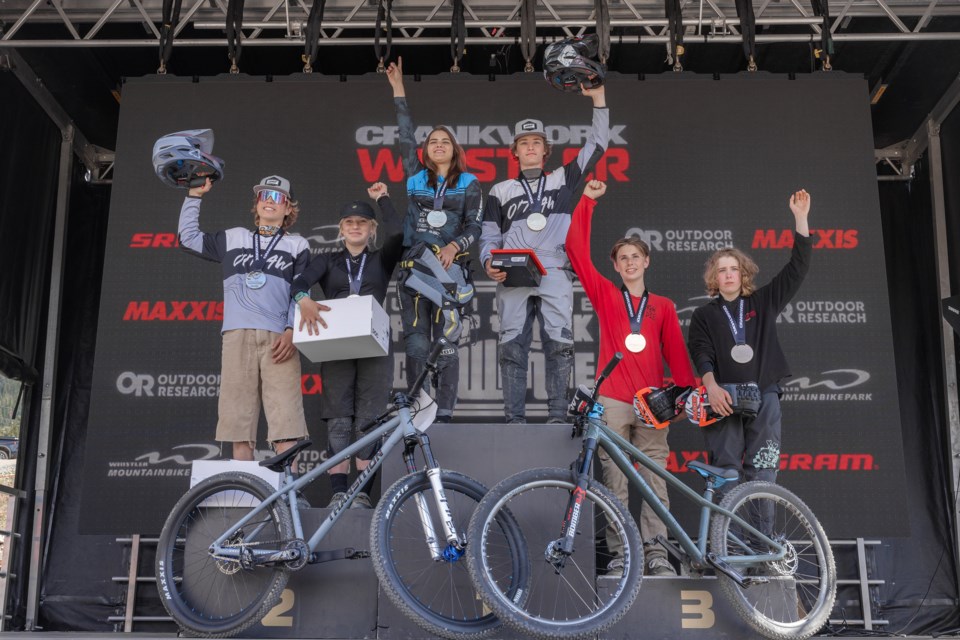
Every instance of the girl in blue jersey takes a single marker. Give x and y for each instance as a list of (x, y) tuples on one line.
[(445, 210)]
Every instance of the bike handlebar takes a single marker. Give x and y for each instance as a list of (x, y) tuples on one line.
[(431, 365), (607, 370)]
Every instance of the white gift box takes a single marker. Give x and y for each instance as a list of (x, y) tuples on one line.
[(357, 327)]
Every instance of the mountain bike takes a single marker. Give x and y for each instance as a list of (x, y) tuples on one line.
[(229, 545), (769, 552)]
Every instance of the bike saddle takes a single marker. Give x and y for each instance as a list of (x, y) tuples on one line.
[(277, 462), (721, 475)]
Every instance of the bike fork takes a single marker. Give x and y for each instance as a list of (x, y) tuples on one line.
[(572, 515), (454, 547)]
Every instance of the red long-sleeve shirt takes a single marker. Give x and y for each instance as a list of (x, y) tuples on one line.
[(660, 327)]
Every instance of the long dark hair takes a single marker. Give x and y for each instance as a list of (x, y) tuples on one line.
[(458, 164)]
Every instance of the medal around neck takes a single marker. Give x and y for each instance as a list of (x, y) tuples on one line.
[(742, 353), (635, 343), (437, 218), (255, 279), (536, 221)]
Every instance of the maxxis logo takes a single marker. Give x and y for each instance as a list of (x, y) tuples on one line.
[(822, 238)]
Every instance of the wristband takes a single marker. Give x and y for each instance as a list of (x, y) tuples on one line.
[(300, 296)]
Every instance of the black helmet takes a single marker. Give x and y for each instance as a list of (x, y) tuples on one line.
[(569, 63), (184, 159)]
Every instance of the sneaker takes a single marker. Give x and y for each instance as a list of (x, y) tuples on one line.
[(615, 568), (443, 420), (517, 421), (335, 500), (660, 566), (362, 501), (556, 420)]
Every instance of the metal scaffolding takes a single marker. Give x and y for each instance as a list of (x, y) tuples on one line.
[(81, 23)]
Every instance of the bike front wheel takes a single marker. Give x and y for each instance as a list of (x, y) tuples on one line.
[(215, 597), (437, 593), (798, 596), (569, 596)]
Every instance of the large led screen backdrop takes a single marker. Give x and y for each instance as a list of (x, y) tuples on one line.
[(694, 164)]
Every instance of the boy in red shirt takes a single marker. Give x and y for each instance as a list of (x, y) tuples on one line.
[(644, 327)]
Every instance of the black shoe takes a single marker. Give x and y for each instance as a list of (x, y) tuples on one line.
[(443, 420)]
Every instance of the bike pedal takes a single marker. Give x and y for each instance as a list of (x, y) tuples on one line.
[(356, 554), (671, 548)]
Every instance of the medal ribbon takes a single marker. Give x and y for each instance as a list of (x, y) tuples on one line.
[(536, 205), (636, 318), (438, 196), (355, 284), (739, 333), (258, 260)]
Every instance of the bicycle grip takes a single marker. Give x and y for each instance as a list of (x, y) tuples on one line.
[(435, 352), (614, 361)]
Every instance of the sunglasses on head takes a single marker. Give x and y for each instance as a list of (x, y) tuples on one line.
[(268, 195)]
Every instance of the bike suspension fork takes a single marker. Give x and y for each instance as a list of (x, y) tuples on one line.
[(575, 504)]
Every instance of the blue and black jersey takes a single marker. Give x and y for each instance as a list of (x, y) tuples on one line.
[(462, 202)]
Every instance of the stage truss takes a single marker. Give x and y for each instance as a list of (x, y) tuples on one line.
[(86, 23)]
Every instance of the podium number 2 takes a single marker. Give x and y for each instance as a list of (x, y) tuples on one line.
[(275, 617), (696, 607)]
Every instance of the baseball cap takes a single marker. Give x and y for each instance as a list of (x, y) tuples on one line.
[(357, 208), (275, 183), (529, 127)]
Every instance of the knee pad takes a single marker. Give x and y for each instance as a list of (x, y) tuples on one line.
[(512, 353), (339, 432)]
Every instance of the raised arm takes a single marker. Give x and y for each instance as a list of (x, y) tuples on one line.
[(408, 143), (210, 246), (786, 283), (392, 247), (597, 141), (578, 238)]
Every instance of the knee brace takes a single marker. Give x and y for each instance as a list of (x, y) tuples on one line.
[(339, 432)]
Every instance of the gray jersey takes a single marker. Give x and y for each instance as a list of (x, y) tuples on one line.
[(508, 207), (269, 307)]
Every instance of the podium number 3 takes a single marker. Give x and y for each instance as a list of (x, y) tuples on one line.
[(696, 607), (279, 616)]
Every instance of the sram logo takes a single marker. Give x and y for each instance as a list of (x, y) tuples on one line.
[(154, 241), (822, 238)]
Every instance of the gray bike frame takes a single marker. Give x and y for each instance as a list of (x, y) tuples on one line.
[(615, 446), (402, 427)]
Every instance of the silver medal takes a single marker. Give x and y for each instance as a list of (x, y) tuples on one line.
[(536, 221), (742, 353), (255, 279), (437, 218), (635, 342)]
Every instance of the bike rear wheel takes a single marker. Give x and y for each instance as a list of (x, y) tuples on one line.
[(438, 594), (212, 597), (562, 601), (802, 587)]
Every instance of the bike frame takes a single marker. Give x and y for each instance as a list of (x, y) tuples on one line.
[(622, 452), (400, 427)]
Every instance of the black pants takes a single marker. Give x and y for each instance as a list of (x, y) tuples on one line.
[(749, 445)]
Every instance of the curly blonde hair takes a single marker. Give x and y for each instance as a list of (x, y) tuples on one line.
[(748, 271), (288, 220)]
